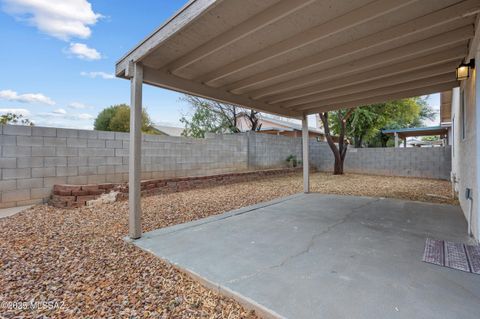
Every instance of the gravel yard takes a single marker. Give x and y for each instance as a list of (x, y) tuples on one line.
[(78, 257)]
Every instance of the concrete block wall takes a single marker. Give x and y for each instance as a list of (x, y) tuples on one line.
[(428, 162), (266, 150), (33, 159)]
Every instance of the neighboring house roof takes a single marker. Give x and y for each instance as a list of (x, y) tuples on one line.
[(272, 128), (288, 125), (416, 142), (291, 125), (169, 130), (418, 131)]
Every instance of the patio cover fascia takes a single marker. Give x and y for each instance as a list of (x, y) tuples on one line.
[(298, 57), (418, 131)]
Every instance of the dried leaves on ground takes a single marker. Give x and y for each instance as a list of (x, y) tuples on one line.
[(78, 258)]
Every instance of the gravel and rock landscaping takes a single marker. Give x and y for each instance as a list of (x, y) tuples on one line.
[(77, 260)]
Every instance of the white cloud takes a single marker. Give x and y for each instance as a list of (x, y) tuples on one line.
[(17, 111), (79, 106), (82, 51), (56, 118), (65, 123), (25, 98), (60, 111), (85, 116), (58, 18), (98, 74), (62, 114)]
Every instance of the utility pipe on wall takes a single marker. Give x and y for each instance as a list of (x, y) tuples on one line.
[(469, 197)]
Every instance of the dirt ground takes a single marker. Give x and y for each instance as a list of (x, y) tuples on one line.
[(78, 261), (419, 189)]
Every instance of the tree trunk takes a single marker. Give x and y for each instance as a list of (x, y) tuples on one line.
[(338, 166), (339, 152), (357, 141), (383, 139)]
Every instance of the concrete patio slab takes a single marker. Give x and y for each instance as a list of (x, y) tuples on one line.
[(327, 256)]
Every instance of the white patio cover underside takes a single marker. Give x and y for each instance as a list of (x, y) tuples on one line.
[(296, 57)]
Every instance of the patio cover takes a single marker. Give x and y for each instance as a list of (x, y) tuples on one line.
[(299, 57), (418, 131), (295, 57)]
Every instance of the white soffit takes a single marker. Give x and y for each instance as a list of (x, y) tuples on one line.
[(294, 57)]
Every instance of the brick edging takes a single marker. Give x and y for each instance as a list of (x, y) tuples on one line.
[(71, 196)]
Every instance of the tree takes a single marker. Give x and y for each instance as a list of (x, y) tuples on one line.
[(431, 138), (413, 113), (13, 118), (202, 121), (215, 117), (102, 122), (117, 118), (120, 121), (363, 124), (339, 153), (366, 122)]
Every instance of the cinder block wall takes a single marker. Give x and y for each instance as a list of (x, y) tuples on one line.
[(427, 162), (33, 159), (267, 151)]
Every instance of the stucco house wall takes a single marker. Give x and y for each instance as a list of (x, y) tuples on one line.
[(465, 157)]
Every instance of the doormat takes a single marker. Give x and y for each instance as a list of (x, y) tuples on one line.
[(452, 255)]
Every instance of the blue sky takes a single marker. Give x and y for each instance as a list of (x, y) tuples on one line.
[(59, 57)]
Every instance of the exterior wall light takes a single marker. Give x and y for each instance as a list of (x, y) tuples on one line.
[(463, 70)]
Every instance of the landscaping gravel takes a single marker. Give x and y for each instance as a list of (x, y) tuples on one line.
[(77, 260)]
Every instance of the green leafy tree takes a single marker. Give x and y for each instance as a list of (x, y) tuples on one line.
[(433, 138), (203, 121), (363, 125), (366, 122), (102, 121), (13, 118), (403, 120), (120, 121), (215, 117), (117, 118)]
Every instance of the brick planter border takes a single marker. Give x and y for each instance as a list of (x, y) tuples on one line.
[(71, 196)]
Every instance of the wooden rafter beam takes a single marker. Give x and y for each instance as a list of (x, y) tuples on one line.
[(348, 20), (476, 39), (453, 54), (383, 98), (243, 30), (382, 58), (447, 68), (164, 80), (185, 16), (396, 33), (412, 85)]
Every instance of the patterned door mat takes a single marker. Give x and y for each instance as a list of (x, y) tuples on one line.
[(452, 255)]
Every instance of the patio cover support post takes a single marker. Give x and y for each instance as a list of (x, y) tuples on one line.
[(405, 142), (396, 139), (135, 156), (306, 168)]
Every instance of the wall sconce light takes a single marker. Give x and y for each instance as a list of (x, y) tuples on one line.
[(463, 70)]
